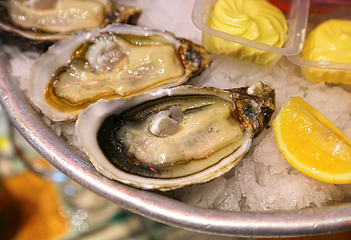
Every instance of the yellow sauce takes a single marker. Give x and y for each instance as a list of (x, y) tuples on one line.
[(256, 20), (328, 42)]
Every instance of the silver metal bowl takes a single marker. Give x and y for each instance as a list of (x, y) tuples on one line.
[(150, 204)]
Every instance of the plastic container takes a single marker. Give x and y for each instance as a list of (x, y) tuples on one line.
[(296, 16), (318, 71)]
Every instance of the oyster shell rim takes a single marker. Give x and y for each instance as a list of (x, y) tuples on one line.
[(37, 38), (36, 87), (94, 116)]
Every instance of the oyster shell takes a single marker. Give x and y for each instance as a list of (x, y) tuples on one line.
[(117, 61), (43, 22), (176, 136)]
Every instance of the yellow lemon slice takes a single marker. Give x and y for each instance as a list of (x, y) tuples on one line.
[(311, 143)]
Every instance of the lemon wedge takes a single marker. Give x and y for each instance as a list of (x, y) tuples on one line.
[(311, 143)]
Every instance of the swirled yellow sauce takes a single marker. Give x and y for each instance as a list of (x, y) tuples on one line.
[(328, 42), (256, 20)]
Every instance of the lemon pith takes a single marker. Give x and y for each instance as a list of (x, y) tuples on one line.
[(311, 143)]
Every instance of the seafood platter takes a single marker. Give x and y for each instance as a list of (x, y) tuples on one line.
[(230, 120)]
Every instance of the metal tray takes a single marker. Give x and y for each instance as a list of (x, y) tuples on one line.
[(150, 204)]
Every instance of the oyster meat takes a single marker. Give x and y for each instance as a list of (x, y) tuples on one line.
[(117, 61), (51, 20), (174, 137)]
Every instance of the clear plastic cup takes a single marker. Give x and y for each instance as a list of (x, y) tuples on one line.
[(325, 71), (296, 16)]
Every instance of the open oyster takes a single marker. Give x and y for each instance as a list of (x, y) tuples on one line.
[(44, 22), (174, 137), (117, 61)]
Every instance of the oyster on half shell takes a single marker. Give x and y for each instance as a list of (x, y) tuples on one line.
[(117, 61), (44, 22), (174, 137)]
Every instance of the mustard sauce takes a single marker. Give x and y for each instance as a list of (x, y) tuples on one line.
[(328, 42), (256, 20)]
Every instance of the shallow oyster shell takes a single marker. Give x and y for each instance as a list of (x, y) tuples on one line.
[(40, 39), (96, 127), (190, 58)]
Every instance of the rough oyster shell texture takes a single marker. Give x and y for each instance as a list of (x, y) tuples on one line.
[(174, 137), (119, 60)]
